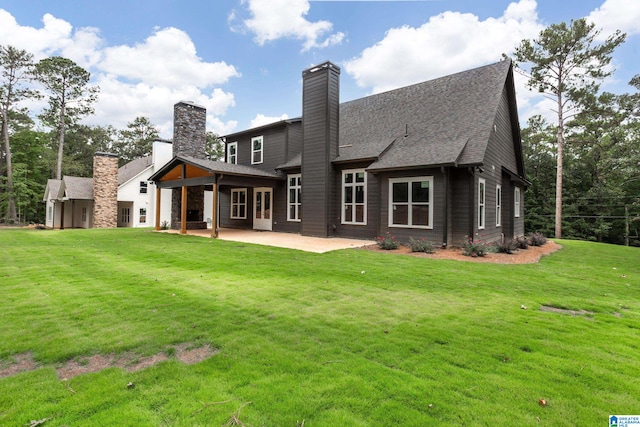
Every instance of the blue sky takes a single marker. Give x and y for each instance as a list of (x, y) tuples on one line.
[(242, 59)]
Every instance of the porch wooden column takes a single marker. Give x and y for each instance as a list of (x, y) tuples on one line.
[(183, 211), (214, 215), (158, 193)]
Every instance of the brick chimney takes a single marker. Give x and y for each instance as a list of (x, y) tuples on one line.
[(320, 114), (105, 190), (189, 139)]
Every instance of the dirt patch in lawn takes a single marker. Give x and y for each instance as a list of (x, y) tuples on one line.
[(129, 361), (550, 309), (521, 256)]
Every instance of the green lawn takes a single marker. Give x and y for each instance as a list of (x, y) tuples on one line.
[(346, 338)]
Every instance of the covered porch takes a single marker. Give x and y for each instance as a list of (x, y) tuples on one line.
[(190, 178)]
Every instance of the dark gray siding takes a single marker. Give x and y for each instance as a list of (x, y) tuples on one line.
[(294, 141), (500, 153), (273, 148), (320, 102), (435, 235), (225, 209), (280, 207), (462, 206)]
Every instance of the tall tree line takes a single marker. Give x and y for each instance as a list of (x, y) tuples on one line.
[(593, 146), (30, 156)]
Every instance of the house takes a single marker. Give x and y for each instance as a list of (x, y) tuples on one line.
[(71, 202), (440, 160)]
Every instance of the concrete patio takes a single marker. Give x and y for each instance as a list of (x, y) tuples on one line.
[(281, 240)]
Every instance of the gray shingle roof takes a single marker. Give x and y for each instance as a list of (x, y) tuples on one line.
[(295, 162), (78, 188), (133, 168), (53, 188), (448, 121)]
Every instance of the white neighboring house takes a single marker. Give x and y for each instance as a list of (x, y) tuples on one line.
[(137, 196), (71, 197)]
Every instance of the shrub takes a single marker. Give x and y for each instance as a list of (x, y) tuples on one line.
[(523, 242), (164, 225), (421, 245), (474, 248), (387, 242), (508, 246), (537, 239)]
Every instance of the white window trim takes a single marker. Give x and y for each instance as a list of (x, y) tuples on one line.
[(498, 205), (410, 180), (353, 203), (482, 199), (229, 155), (516, 202), (238, 190), (299, 203), (261, 151)]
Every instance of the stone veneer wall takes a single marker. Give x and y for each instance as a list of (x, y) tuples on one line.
[(189, 130), (189, 139), (105, 190)]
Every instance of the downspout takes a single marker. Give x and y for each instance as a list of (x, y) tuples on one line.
[(445, 237)]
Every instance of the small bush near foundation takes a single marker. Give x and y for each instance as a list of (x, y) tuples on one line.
[(523, 242), (507, 247), (387, 242), (164, 225), (537, 239), (474, 247), (421, 245)]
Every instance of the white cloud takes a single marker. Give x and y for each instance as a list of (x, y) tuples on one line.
[(141, 80), (274, 19), (261, 120), (623, 15), (168, 57), (447, 43)]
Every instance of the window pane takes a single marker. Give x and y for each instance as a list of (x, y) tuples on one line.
[(420, 215), (234, 211), (292, 195), (234, 197), (401, 214), (241, 211), (360, 177), (292, 182), (481, 196), (348, 213), (348, 178), (257, 144), (299, 199), (243, 197), (400, 192), (359, 213), (348, 195), (299, 181), (267, 204), (360, 194), (420, 191), (258, 205)]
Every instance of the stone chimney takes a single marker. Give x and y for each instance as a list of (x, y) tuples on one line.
[(105, 190), (189, 139), (320, 115), (189, 130)]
